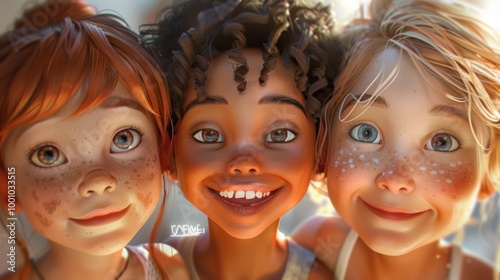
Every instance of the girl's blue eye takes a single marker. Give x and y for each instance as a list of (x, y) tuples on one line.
[(280, 135), (365, 133), (442, 142), (125, 140), (208, 136), (47, 156)]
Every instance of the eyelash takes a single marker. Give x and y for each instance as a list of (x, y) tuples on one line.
[(30, 151)]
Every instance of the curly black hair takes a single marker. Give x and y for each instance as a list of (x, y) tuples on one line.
[(190, 33)]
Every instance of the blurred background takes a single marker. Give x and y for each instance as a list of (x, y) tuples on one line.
[(481, 237)]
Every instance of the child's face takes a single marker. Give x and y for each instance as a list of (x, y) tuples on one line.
[(88, 182), (245, 159), (405, 172)]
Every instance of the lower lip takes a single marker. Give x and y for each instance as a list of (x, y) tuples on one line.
[(246, 210), (103, 220), (392, 215)]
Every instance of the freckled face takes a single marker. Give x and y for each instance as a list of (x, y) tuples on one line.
[(404, 173), (88, 182), (245, 159)]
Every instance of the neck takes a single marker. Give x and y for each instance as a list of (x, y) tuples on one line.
[(219, 255), (65, 263), (427, 262)]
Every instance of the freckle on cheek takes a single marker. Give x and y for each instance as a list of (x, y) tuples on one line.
[(145, 199), (43, 220), (51, 206)]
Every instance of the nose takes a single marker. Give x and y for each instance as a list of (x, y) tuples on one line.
[(396, 181), (97, 182), (245, 162)]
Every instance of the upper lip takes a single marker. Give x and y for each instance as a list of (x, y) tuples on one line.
[(392, 209), (100, 212), (244, 182)]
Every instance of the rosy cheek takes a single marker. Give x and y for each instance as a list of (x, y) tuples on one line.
[(145, 199), (349, 159), (146, 180), (454, 179)]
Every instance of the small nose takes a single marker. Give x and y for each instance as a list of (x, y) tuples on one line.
[(244, 162), (395, 182), (97, 182)]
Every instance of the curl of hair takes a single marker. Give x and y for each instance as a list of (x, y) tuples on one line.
[(301, 32), (444, 41)]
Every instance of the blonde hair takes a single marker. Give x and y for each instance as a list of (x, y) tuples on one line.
[(445, 43)]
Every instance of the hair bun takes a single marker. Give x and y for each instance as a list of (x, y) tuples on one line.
[(53, 12)]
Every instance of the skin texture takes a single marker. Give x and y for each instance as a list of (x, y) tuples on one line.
[(107, 161), (257, 145), (402, 172), (246, 159)]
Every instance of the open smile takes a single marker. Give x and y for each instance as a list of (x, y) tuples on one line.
[(245, 202)]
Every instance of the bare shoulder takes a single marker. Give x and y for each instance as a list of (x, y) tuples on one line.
[(171, 261), (476, 268), (323, 235)]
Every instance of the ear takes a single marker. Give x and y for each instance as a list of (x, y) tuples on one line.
[(6, 204), (172, 175), (487, 189)]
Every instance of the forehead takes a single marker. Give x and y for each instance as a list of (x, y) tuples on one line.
[(394, 72), (220, 78)]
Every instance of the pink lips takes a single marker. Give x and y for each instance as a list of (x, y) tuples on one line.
[(392, 213), (102, 216)]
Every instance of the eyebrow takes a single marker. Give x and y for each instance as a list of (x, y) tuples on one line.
[(281, 99), (207, 100), (446, 110), (438, 110), (116, 102), (270, 99), (377, 101)]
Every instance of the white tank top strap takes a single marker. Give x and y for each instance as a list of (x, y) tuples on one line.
[(345, 255), (299, 262), (151, 272), (455, 263)]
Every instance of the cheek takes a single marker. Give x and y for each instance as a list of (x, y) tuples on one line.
[(144, 180), (346, 161), (455, 180)]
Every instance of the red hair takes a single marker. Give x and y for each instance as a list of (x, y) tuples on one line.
[(62, 47)]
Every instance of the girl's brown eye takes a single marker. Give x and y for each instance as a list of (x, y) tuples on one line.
[(280, 135), (208, 136), (47, 156), (125, 140)]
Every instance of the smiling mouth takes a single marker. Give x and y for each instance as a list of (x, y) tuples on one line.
[(392, 214), (245, 202), (101, 217)]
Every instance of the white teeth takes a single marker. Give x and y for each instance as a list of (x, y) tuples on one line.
[(239, 194), (250, 195), (244, 194)]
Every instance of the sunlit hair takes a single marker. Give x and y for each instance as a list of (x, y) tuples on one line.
[(446, 44), (301, 32), (62, 47)]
